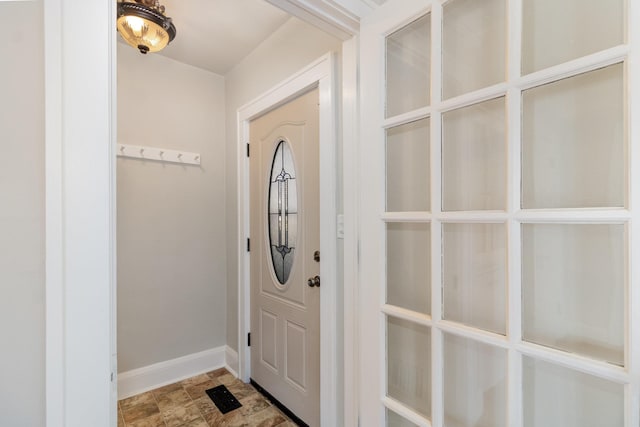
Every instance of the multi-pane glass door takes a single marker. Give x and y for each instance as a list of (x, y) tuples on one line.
[(497, 281)]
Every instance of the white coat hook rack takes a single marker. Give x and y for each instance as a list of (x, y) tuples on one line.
[(158, 154)]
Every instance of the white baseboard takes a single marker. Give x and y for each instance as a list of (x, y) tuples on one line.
[(157, 375), (231, 357)]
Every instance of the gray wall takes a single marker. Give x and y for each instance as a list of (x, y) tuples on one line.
[(291, 47), (171, 218), (22, 324)]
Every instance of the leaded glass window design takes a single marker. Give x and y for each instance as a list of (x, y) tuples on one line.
[(283, 211)]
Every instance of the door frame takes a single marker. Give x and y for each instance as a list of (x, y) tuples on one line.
[(80, 206), (322, 74)]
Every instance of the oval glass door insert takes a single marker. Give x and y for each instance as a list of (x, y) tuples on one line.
[(283, 211)]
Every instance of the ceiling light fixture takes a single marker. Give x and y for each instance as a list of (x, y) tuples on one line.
[(143, 25)]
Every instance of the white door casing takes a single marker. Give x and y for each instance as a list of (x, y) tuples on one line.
[(320, 73), (524, 219), (285, 312), (80, 277)]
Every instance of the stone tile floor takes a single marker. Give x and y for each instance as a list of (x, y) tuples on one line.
[(185, 404)]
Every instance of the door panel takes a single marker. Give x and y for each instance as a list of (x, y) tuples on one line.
[(496, 285), (268, 340), (285, 233), (296, 357)]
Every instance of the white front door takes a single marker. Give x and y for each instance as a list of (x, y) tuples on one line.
[(496, 282), (285, 235)]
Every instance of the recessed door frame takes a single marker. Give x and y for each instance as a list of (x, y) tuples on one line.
[(320, 73), (80, 140)]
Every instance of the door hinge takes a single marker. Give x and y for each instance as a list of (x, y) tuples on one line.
[(249, 339), (248, 150), (248, 245), (112, 376)]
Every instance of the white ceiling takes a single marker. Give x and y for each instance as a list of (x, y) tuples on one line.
[(217, 34)]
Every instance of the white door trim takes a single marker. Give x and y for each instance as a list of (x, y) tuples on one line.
[(340, 18), (321, 73), (350, 173), (80, 129)]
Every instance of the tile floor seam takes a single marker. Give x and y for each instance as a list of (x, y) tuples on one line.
[(194, 404), (164, 421)]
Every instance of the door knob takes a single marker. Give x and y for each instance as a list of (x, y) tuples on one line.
[(314, 281)]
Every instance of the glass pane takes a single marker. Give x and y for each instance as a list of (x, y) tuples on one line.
[(475, 386), (409, 266), (475, 275), (573, 143), (283, 211), (408, 67), (409, 364), (408, 167), (558, 397), (395, 420), (573, 288), (473, 45), (474, 157), (558, 31)]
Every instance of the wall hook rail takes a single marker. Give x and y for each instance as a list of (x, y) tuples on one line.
[(158, 154)]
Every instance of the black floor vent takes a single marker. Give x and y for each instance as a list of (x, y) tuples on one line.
[(223, 399)]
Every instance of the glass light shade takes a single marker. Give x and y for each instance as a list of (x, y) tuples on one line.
[(144, 28)]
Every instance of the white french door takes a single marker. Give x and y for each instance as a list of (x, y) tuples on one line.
[(499, 189)]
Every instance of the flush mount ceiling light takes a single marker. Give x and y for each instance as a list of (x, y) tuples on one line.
[(143, 25)]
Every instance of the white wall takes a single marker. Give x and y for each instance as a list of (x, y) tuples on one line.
[(22, 326), (287, 50), (172, 263)]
